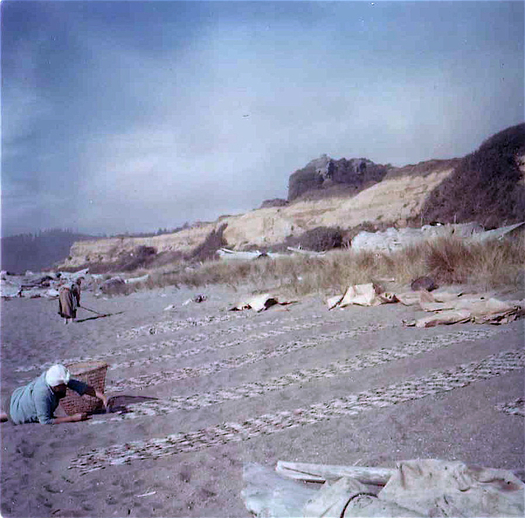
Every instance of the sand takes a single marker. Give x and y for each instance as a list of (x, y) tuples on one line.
[(294, 383)]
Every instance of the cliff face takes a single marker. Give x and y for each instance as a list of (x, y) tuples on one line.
[(486, 186), (393, 199), (110, 249)]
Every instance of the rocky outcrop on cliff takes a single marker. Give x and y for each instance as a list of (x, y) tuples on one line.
[(324, 173)]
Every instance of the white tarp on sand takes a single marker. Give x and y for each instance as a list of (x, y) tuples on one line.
[(259, 303), (477, 309), (428, 487), (361, 295)]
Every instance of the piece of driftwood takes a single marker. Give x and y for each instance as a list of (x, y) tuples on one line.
[(226, 254), (310, 253), (324, 472)]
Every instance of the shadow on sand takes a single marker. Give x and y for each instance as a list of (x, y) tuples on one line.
[(98, 316)]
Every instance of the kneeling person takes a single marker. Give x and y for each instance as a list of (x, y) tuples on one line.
[(37, 401)]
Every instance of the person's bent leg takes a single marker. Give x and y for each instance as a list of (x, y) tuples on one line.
[(3, 417)]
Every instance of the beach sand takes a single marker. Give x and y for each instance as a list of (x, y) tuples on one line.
[(295, 383)]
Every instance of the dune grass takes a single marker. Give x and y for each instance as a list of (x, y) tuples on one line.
[(488, 265)]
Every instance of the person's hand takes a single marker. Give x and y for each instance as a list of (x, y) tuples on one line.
[(102, 398), (81, 416)]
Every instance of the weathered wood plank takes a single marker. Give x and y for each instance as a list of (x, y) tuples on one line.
[(324, 472)]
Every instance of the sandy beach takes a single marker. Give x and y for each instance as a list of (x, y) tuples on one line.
[(207, 390)]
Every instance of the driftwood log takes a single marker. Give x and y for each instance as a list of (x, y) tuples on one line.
[(324, 472), (366, 475)]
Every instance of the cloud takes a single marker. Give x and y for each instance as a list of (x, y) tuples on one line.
[(177, 112), (24, 107)]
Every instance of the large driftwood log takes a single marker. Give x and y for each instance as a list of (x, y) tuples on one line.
[(310, 253), (324, 472)]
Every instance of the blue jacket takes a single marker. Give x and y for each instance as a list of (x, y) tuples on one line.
[(36, 402)]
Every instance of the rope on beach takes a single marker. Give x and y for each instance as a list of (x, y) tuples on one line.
[(148, 380), (436, 382), (302, 376)]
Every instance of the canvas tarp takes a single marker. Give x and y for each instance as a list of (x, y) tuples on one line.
[(373, 295), (500, 233), (478, 309), (227, 254), (428, 487), (447, 307), (441, 488), (393, 239), (269, 495), (308, 253), (260, 303), (362, 295), (137, 280)]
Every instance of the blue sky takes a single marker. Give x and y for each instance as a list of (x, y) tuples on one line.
[(129, 115)]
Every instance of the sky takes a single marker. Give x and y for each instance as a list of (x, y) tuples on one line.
[(130, 116)]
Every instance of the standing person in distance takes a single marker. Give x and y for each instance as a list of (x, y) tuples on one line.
[(69, 300)]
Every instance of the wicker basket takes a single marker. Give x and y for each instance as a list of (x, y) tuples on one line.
[(93, 373)]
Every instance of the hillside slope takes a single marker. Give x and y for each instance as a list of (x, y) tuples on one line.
[(111, 250), (486, 186), (396, 198)]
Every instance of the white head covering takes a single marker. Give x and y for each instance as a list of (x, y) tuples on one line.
[(56, 375)]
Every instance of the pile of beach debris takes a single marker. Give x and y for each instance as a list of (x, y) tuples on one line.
[(393, 239), (424, 487), (35, 285), (447, 307)]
